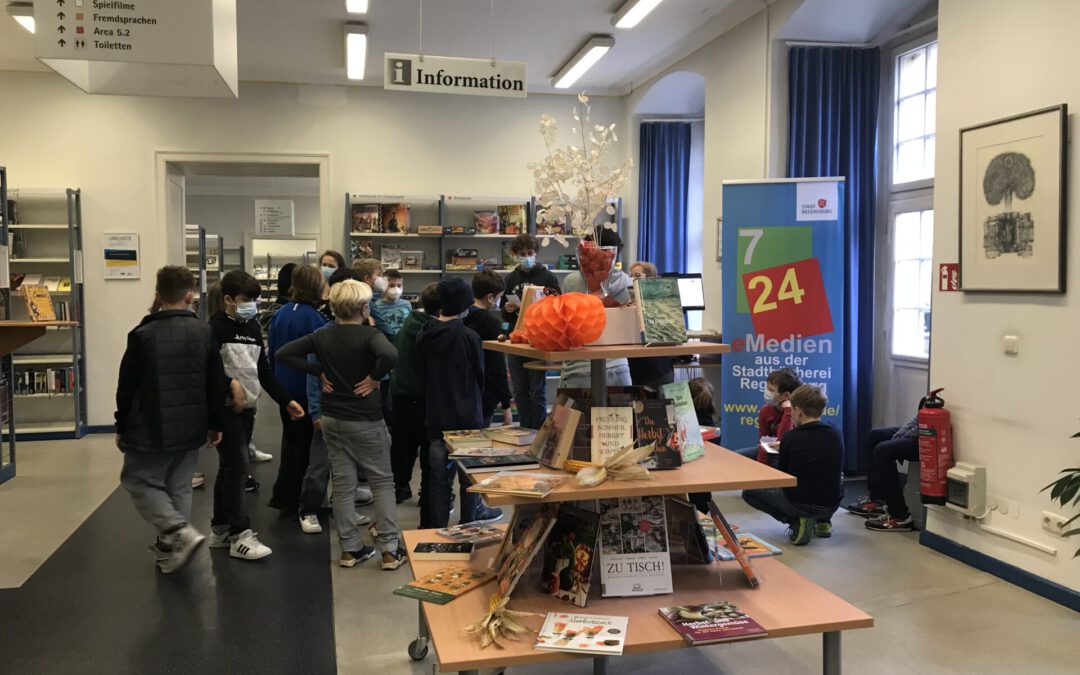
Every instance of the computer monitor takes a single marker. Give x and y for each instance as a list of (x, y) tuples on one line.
[(691, 290)]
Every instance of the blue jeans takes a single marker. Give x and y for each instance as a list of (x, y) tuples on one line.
[(530, 392), (774, 502)]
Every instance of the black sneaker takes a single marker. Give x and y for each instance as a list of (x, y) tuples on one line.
[(486, 514), (802, 529), (402, 495), (391, 560), (866, 507), (887, 523), (353, 558), (251, 485)]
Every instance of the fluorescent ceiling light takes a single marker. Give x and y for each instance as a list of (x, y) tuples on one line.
[(356, 6), (355, 50), (23, 12), (632, 12), (586, 58)]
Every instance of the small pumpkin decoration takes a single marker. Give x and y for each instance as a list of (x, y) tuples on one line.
[(561, 322)]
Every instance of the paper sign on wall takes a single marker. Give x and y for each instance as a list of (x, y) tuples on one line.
[(449, 75), (275, 217), (121, 256)]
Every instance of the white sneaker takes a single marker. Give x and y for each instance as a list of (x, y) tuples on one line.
[(219, 536), (260, 456), (198, 480), (310, 524), (361, 519), (364, 496), (183, 543), (247, 546)]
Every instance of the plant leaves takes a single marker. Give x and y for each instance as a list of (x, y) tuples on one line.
[(1071, 532), (1069, 492), (1069, 521)]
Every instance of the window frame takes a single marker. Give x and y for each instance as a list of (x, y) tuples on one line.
[(890, 118), (909, 203)]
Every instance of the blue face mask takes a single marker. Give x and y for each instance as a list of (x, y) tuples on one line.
[(246, 311), (327, 271), (527, 262)]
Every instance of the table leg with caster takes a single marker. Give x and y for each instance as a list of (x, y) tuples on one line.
[(831, 653), (418, 648)]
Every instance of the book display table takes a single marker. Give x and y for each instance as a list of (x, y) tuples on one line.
[(785, 603)]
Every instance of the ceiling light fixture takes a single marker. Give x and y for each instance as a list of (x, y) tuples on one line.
[(586, 58), (356, 6), (632, 12), (23, 12), (355, 50)]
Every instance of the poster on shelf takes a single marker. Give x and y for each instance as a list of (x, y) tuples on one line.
[(275, 218), (121, 256), (783, 295)]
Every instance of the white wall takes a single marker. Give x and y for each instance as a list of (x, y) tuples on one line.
[(233, 217), (741, 141), (1012, 414), (377, 142)]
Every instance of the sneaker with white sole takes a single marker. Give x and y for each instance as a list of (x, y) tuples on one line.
[(247, 546), (364, 496), (219, 536), (310, 524), (887, 523), (260, 456), (353, 558), (181, 545), (391, 560), (362, 520), (198, 480)]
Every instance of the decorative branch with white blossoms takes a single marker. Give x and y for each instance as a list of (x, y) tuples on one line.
[(574, 184)]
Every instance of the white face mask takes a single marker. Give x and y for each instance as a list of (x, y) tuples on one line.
[(379, 285), (769, 395), (392, 294)]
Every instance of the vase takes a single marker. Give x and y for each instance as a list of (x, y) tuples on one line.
[(595, 263)]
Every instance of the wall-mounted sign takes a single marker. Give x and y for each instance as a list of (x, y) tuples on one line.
[(140, 47), (275, 218), (450, 75), (121, 256), (949, 277)]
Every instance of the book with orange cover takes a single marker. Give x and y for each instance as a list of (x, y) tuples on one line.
[(733, 544), (39, 303)]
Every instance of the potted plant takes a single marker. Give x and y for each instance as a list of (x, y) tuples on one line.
[(1064, 490)]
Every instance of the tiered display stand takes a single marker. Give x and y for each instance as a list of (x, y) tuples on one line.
[(785, 604)]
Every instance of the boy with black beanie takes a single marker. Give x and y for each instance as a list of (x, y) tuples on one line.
[(451, 366)]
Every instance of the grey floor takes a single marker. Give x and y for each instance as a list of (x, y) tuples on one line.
[(932, 614)]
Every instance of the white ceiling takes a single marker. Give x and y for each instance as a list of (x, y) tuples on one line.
[(850, 21), (301, 41)]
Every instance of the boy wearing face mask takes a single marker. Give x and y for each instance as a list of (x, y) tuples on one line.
[(813, 452), (239, 339), (390, 311), (774, 418), (530, 386)]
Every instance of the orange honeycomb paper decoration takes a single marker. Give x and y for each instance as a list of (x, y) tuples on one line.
[(561, 322)]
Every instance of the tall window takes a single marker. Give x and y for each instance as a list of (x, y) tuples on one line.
[(913, 114), (911, 192)]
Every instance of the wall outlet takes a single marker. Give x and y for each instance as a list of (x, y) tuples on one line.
[(1054, 523)]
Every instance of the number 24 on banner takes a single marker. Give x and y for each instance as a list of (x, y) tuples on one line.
[(788, 299)]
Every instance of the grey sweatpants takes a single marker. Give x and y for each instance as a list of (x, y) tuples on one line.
[(160, 486), (354, 445)]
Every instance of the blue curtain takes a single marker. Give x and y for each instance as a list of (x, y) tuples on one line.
[(662, 194), (833, 95)]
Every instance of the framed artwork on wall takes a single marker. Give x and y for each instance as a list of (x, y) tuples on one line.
[(1013, 184)]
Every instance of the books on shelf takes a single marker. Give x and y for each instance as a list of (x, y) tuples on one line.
[(63, 311), (44, 381), (512, 219), (512, 434), (486, 222), (568, 261), (390, 256), (712, 623), (583, 633), (445, 584), (466, 438), (655, 422), (462, 259), (65, 285), (394, 218), (691, 444), (733, 544), (39, 304), (429, 229), (459, 229), (660, 312), (509, 260), (634, 557), (753, 545), (521, 483), (359, 249), (478, 535), (687, 542), (569, 553), (412, 260), (519, 462), (366, 218), (493, 451), (612, 430), (524, 537), (52, 283), (551, 227), (555, 439), (442, 550)]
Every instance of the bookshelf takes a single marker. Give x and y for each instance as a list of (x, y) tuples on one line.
[(47, 377), (195, 251), (7, 372)]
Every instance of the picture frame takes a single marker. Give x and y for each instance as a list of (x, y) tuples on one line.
[(1013, 191)]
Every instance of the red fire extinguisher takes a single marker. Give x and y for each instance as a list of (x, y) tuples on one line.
[(935, 447)]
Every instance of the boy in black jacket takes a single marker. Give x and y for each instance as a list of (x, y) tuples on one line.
[(813, 452), (530, 386), (451, 365), (244, 357), (167, 407)]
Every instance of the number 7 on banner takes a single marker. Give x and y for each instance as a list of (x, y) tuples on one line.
[(788, 299)]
